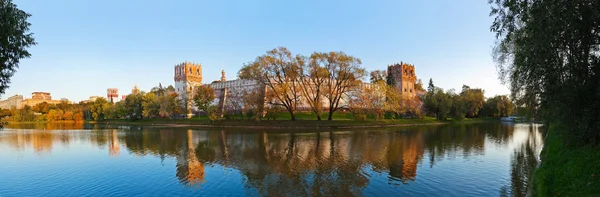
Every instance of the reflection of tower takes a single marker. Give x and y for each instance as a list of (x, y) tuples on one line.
[(404, 157), (189, 169), (112, 94), (188, 76), (113, 147), (409, 162)]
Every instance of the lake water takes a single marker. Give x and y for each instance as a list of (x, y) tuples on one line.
[(488, 159)]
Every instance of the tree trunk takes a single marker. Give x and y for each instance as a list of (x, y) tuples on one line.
[(330, 116), (292, 114)]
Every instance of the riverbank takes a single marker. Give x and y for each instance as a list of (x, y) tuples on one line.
[(567, 171), (298, 124)]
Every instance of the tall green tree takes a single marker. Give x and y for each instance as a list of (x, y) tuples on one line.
[(549, 53), (97, 109), (472, 99), (15, 38), (133, 106)]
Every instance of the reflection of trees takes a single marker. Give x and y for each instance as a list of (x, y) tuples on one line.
[(523, 162), (299, 163)]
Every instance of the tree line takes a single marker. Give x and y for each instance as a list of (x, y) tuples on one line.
[(159, 102), (549, 54)]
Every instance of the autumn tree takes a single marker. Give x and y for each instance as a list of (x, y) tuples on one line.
[(378, 76), (204, 97), (312, 79), (279, 71), (369, 100), (15, 38), (42, 107), (254, 104), (68, 115), (345, 72)]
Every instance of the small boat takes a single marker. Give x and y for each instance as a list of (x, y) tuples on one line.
[(512, 119)]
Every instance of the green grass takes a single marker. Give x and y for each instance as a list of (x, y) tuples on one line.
[(304, 120), (567, 171)]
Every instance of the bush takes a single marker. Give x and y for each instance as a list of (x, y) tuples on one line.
[(359, 117)]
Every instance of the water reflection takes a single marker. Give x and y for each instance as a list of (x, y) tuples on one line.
[(523, 162), (283, 163)]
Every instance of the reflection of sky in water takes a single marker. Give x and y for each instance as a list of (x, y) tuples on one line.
[(459, 160)]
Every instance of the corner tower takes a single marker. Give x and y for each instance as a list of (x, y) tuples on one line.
[(188, 76), (402, 76)]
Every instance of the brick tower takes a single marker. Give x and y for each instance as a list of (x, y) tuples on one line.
[(402, 76), (188, 76)]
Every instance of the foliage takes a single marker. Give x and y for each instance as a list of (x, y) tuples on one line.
[(150, 105), (459, 105), (345, 72), (253, 103), (312, 82), (213, 113), (97, 109), (279, 71), (378, 76), (15, 38), (549, 54), (498, 106), (204, 97), (437, 102), (473, 99), (133, 106), (369, 100)]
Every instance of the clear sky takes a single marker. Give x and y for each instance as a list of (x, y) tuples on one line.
[(85, 47)]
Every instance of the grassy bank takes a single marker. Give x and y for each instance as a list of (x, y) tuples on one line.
[(280, 123), (565, 170), (304, 122)]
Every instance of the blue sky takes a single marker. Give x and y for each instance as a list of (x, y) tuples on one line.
[(85, 47)]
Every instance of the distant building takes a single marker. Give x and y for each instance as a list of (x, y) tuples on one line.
[(41, 97), (135, 90), (112, 94), (93, 98), (188, 76), (13, 101), (403, 76)]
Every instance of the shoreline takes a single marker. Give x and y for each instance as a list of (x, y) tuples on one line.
[(274, 124), (298, 124)]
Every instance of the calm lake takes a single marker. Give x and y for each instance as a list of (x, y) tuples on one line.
[(486, 159)]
